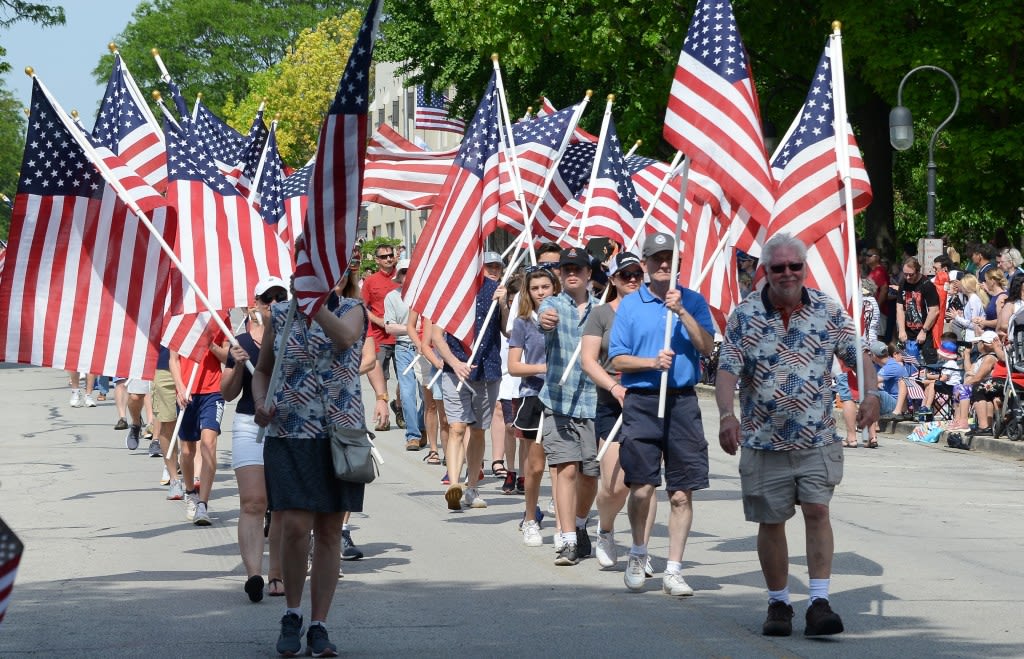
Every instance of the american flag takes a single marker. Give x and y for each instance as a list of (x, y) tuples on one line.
[(447, 264), (337, 177), (269, 177), (184, 117), (244, 171), (223, 143), (71, 292), (811, 199), (11, 549), (713, 115), (401, 174), (578, 134), (127, 127), (537, 145), (294, 203), (432, 113), (221, 237), (827, 260), (614, 206), (563, 203)]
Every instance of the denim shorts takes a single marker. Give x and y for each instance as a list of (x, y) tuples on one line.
[(842, 387)]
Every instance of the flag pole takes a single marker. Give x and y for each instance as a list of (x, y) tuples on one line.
[(601, 141), (510, 150), (669, 317), (119, 188), (672, 172), (636, 145), (843, 159), (262, 162)]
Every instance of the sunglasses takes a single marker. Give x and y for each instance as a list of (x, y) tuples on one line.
[(540, 266), (779, 268), (629, 275), (269, 297), (386, 256)]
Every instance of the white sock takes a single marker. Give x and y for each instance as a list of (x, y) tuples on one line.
[(581, 522), (297, 612), (818, 589), (344, 527), (674, 567), (318, 622), (638, 550), (779, 595), (569, 538)]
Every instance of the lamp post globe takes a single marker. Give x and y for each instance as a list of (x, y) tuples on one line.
[(901, 128)]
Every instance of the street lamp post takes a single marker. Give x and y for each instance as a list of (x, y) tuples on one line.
[(901, 134)]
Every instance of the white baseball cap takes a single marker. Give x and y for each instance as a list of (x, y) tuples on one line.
[(267, 283)]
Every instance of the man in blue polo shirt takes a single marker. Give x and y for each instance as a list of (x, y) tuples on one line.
[(636, 349)]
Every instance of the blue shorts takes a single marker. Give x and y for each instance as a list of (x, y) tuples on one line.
[(203, 412), (678, 439), (887, 403), (608, 412)]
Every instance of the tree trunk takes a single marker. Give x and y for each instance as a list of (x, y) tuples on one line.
[(873, 138)]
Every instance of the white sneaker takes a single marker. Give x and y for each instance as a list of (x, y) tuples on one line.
[(472, 499), (559, 545), (165, 479), (634, 577), (531, 534), (648, 568), (551, 506), (77, 398), (607, 553), (674, 584), (191, 502), (89, 401), (175, 492), (202, 517)]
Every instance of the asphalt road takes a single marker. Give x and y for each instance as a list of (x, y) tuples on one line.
[(928, 548)]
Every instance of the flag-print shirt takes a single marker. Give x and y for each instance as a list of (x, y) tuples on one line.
[(784, 369), (319, 384), (577, 398)]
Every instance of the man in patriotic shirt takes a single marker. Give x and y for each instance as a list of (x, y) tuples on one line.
[(779, 346)]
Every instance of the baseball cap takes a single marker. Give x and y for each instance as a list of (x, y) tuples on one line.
[(657, 242), (947, 350), (267, 283), (878, 349), (956, 275), (402, 265), (492, 257), (623, 260), (574, 256), (988, 336)]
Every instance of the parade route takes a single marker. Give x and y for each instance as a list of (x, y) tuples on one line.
[(928, 544)]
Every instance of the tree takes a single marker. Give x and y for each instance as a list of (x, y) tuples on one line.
[(213, 46), (299, 89), (13, 11), (12, 145), (630, 47)]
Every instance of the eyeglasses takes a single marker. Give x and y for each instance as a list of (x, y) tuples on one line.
[(273, 296), (779, 268), (628, 275), (386, 256)]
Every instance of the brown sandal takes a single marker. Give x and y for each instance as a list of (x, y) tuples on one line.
[(272, 589)]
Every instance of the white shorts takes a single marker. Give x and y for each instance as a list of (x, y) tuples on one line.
[(245, 452), (137, 386)]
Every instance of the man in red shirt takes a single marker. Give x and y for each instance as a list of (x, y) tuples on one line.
[(878, 274), (375, 289)]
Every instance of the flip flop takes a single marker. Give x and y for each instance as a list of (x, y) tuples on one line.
[(272, 589), (432, 458)]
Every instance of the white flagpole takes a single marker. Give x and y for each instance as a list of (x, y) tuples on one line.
[(601, 141), (843, 158), (632, 150), (119, 188), (670, 317), (672, 172)]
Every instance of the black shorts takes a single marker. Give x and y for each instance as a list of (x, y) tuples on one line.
[(608, 412), (678, 439)]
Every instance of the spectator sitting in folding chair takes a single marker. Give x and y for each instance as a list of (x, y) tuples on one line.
[(978, 376), (948, 376), (892, 382)]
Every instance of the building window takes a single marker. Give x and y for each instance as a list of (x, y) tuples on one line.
[(391, 229)]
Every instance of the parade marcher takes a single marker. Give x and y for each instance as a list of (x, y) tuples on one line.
[(78, 399), (435, 423), (320, 386), (626, 275), (568, 431), (375, 288), (396, 313), (165, 414), (526, 360), (779, 346), (636, 349), (469, 408), (247, 452), (202, 410)]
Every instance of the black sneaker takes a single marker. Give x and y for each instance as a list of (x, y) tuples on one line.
[(289, 643), (582, 542), (131, 440), (318, 644), (822, 620), (567, 556), (779, 621), (349, 552), (521, 485)]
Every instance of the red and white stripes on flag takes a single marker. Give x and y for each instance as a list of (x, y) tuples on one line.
[(827, 259), (85, 282), (11, 549), (447, 265), (713, 114), (402, 174), (321, 258), (705, 230)]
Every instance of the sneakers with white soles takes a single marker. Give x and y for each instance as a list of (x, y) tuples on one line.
[(531, 534), (674, 584), (175, 492), (202, 516), (472, 499), (634, 577), (607, 553), (191, 501), (77, 400)]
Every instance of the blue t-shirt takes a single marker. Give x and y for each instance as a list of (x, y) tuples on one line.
[(488, 356), (639, 330), (891, 373), (526, 335)]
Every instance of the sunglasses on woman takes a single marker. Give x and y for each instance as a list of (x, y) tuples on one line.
[(273, 296), (779, 268)]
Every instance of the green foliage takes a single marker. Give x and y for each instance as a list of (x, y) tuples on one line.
[(12, 145), (213, 46), (299, 89), (13, 11)]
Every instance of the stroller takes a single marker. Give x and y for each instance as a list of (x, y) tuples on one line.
[(1010, 417)]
